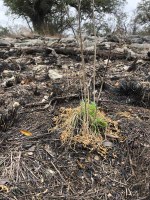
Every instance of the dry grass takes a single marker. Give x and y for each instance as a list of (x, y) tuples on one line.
[(76, 131)]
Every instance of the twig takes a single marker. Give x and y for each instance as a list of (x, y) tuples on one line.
[(103, 78), (131, 163), (117, 181), (95, 45), (58, 172), (81, 49), (30, 105), (54, 99), (18, 166)]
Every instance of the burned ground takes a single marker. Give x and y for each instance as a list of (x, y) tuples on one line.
[(38, 77)]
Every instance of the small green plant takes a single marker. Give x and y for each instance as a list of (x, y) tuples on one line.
[(96, 123), (89, 108)]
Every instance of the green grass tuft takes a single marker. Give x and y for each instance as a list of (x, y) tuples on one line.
[(98, 125)]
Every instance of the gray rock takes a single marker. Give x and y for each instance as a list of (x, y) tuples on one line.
[(54, 74), (13, 52), (9, 82), (107, 144), (135, 39), (40, 72), (65, 66), (88, 43), (38, 61), (39, 68), (112, 38), (144, 46), (16, 104), (4, 43), (68, 40), (8, 73), (89, 38), (129, 53), (146, 39), (2, 53), (90, 48), (29, 42), (106, 45)]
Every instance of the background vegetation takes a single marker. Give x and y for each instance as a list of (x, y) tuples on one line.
[(58, 16)]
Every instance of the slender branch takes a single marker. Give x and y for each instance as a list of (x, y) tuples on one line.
[(69, 22), (81, 48), (94, 64), (28, 24), (104, 75)]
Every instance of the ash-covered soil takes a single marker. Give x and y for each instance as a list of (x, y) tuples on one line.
[(39, 75)]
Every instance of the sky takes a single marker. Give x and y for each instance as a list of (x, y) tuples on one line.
[(131, 5), (7, 20)]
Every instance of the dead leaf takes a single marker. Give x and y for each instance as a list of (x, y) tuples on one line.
[(125, 114), (26, 133), (117, 84), (97, 158), (4, 188), (80, 165)]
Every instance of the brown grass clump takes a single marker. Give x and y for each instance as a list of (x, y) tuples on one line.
[(89, 133)]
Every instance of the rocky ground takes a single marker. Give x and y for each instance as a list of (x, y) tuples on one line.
[(39, 75)]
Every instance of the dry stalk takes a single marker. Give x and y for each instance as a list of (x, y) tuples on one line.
[(104, 75), (85, 93), (94, 63), (81, 49)]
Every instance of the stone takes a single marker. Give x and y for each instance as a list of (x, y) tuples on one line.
[(9, 82), (4, 43), (39, 68), (126, 67), (53, 74), (129, 53), (107, 144), (88, 44), (50, 172), (135, 39), (140, 47), (64, 66), (40, 72), (16, 104), (90, 48), (106, 45), (140, 61), (146, 39), (113, 38), (45, 99), (120, 50), (30, 42), (8, 73), (107, 61), (97, 158), (109, 195), (38, 61), (148, 54), (68, 40)]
